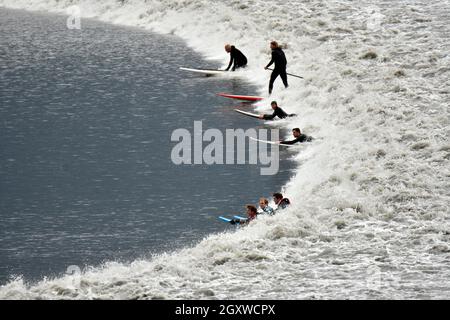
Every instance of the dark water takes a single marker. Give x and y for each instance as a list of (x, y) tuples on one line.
[(85, 124)]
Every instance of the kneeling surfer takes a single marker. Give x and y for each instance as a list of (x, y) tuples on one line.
[(237, 58)]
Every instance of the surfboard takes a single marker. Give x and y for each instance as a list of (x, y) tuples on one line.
[(224, 219), (240, 218), (208, 72), (273, 142), (249, 114), (240, 97)]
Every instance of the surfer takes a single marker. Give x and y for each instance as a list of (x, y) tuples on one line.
[(299, 137), (236, 57), (280, 201), (279, 58), (277, 112), (251, 215), (265, 208)]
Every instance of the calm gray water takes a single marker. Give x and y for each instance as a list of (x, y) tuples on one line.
[(85, 124)]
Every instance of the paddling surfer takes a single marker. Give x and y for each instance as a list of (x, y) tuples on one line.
[(265, 208), (237, 58), (280, 201), (252, 212), (277, 112), (299, 137), (279, 58)]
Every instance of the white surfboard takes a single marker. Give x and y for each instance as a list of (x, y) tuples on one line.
[(249, 114), (273, 142), (208, 72)]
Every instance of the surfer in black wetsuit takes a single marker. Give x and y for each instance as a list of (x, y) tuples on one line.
[(280, 201), (279, 58), (299, 137), (277, 112), (237, 58), (252, 212)]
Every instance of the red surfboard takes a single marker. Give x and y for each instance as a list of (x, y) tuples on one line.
[(239, 97)]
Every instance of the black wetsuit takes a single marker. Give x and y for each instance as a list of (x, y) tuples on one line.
[(239, 221), (283, 204), (301, 138), (238, 58), (278, 112), (279, 58)]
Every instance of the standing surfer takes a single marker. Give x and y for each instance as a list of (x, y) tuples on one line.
[(279, 58)]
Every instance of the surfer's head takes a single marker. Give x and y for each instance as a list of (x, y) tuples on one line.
[(228, 48), (251, 211), (296, 132), (274, 45), (263, 202), (277, 197), (274, 105)]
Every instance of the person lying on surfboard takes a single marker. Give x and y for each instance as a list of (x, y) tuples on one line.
[(251, 215), (299, 137), (280, 201), (236, 57), (265, 208), (277, 112)]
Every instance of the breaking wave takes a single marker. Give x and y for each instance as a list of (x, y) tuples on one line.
[(370, 215)]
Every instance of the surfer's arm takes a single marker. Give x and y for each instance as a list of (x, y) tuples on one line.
[(270, 63), (269, 116), (288, 142), (231, 62), (238, 221)]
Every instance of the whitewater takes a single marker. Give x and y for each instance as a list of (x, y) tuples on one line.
[(370, 217)]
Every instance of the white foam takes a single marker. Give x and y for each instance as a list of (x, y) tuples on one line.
[(370, 197)]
